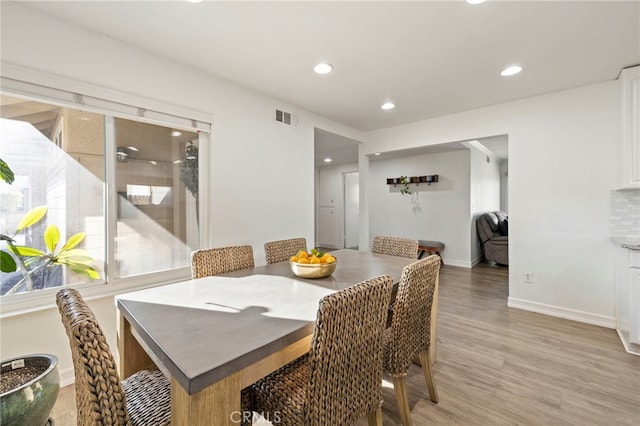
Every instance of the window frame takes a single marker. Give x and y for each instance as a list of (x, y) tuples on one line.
[(33, 85)]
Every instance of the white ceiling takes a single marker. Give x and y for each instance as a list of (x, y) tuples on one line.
[(497, 145), (431, 58), (341, 150)]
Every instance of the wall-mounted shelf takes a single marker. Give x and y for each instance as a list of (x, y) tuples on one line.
[(429, 179)]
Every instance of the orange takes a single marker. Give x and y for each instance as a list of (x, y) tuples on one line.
[(303, 254), (303, 260), (294, 258), (330, 259), (314, 260)]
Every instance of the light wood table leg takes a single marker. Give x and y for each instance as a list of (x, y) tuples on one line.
[(133, 357), (215, 405)]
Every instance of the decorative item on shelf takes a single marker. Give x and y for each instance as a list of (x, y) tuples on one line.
[(405, 181), (429, 179)]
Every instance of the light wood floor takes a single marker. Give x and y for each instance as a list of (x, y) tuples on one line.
[(502, 366)]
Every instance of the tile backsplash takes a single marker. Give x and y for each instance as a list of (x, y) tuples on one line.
[(625, 214)]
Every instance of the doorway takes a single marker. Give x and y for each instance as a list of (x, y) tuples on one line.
[(351, 209), (336, 160)]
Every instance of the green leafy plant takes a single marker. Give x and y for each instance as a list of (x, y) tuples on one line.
[(189, 171), (316, 252), (5, 172), (31, 260), (405, 182)]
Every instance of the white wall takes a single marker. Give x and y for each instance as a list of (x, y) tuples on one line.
[(562, 165), (484, 194), (439, 211), (504, 186), (42, 332), (257, 192)]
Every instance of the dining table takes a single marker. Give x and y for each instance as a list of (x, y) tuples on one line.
[(216, 335)]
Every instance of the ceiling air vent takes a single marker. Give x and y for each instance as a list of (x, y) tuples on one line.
[(286, 118)]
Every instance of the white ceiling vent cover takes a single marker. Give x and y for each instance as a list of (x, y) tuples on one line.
[(286, 118)]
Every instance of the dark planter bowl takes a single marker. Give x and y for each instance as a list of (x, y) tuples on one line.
[(31, 403)]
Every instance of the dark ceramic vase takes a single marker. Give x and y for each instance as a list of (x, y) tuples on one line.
[(30, 403)]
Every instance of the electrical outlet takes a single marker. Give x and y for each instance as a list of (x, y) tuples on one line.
[(528, 277)]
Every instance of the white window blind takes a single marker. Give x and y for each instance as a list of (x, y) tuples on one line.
[(103, 106)]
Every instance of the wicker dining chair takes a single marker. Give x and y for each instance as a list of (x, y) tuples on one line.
[(410, 332), (216, 261), (101, 398), (394, 246), (278, 251), (340, 379)]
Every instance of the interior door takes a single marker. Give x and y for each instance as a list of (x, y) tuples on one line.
[(351, 209)]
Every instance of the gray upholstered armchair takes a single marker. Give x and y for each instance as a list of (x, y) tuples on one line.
[(493, 230)]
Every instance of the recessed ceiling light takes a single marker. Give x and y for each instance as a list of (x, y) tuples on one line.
[(176, 133), (154, 162), (515, 69), (475, 1), (177, 161), (193, 1), (388, 105), (133, 148), (323, 68), (328, 160), (377, 153)]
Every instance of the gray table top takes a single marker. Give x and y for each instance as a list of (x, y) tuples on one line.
[(206, 329)]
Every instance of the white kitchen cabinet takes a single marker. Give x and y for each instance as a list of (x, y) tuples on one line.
[(634, 296), (628, 298), (630, 152), (328, 228), (328, 187)]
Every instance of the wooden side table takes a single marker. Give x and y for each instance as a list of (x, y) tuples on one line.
[(430, 247)]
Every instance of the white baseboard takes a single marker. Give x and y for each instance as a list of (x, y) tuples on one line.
[(631, 348), (67, 377), (458, 263), (560, 312), (477, 260)]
